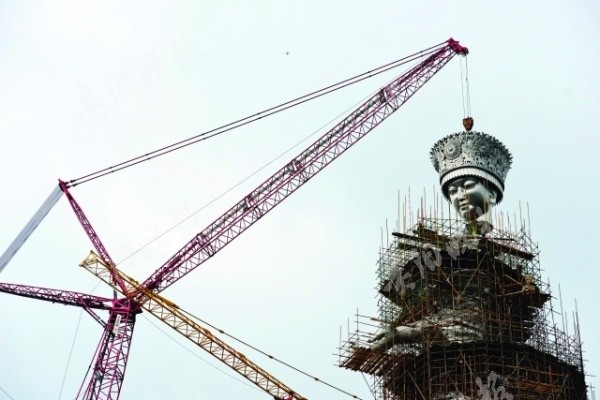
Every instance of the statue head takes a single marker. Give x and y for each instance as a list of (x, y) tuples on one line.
[(472, 168), (472, 198)]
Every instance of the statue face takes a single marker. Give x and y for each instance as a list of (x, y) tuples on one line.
[(471, 198)]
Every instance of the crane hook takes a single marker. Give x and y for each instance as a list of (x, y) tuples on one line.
[(468, 123)]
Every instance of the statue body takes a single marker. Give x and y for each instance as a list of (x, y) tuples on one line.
[(462, 313), (472, 168)]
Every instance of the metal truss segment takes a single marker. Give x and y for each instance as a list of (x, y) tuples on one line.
[(301, 169), (169, 313)]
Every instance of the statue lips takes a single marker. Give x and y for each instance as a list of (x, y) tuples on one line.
[(465, 209), (463, 200), (465, 205)]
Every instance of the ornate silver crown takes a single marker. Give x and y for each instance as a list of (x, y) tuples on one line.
[(471, 154)]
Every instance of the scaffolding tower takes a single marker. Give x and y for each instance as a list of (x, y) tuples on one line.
[(464, 316)]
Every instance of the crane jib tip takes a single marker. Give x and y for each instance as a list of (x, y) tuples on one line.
[(455, 45)]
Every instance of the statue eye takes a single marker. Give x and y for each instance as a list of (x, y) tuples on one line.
[(470, 184), (452, 190)]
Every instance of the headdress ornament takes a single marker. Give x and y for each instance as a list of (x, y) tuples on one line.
[(471, 154)]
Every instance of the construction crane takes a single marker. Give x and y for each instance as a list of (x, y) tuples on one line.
[(116, 340), (111, 354), (172, 315), (110, 361), (111, 357)]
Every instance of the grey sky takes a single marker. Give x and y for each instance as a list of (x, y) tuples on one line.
[(86, 85)]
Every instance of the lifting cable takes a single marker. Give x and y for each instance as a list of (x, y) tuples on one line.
[(234, 377), (70, 354), (270, 356), (14, 247), (254, 117), (464, 86), (120, 262)]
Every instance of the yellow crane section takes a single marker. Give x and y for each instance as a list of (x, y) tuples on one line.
[(171, 314)]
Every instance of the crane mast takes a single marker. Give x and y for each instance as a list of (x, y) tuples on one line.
[(172, 315), (110, 361)]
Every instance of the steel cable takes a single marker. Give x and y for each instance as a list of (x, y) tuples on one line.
[(252, 118)]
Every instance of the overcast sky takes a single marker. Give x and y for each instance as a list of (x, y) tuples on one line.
[(87, 85)]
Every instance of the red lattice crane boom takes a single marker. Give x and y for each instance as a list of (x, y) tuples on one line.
[(173, 316), (111, 356), (285, 181), (95, 239), (112, 352), (301, 168)]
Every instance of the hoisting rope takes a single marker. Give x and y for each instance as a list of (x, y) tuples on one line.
[(468, 87), (57, 193), (196, 355), (464, 83), (316, 379), (272, 161), (254, 117), (464, 86), (62, 385)]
